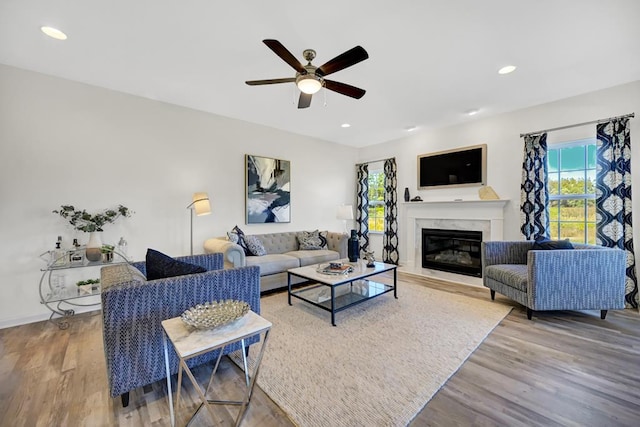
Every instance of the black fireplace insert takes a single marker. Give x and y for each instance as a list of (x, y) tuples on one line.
[(455, 251)]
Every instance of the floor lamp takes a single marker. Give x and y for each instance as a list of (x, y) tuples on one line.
[(345, 213), (202, 206)]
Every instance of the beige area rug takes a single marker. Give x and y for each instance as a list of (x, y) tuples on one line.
[(380, 365)]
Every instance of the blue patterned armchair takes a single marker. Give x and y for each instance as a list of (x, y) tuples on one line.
[(132, 309), (588, 277)]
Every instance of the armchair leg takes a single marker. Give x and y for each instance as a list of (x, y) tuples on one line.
[(603, 314), (529, 313), (246, 351), (493, 295), (125, 399)]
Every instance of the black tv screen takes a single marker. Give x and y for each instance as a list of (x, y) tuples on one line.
[(460, 167)]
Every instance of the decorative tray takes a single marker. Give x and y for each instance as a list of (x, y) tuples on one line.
[(335, 268), (215, 313)]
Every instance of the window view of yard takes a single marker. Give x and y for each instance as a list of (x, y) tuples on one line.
[(571, 183), (376, 201)]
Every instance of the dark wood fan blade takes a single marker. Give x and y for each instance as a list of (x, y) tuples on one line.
[(283, 53), (305, 100), (270, 81), (344, 89), (342, 61)]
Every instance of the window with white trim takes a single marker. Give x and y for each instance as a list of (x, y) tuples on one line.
[(376, 201), (572, 190)]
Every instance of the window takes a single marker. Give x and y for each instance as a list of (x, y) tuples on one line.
[(572, 191), (376, 201)]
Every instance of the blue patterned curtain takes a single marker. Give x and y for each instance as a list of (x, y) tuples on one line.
[(362, 209), (390, 241), (613, 196), (534, 194)]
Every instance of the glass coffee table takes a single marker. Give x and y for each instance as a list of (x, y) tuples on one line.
[(341, 284)]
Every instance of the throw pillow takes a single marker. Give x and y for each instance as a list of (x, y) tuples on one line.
[(255, 246), (544, 244), (236, 235), (312, 240), (160, 266)]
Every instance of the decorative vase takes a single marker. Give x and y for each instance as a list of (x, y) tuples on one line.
[(353, 247), (93, 249), (406, 194)]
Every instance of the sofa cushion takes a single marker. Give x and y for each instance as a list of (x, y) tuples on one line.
[(255, 246), (160, 266), (544, 244), (273, 263), (514, 275), (312, 240), (314, 256)]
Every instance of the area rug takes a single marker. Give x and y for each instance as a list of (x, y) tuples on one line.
[(380, 365)]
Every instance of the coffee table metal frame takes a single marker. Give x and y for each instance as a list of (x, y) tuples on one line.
[(188, 343), (357, 293)]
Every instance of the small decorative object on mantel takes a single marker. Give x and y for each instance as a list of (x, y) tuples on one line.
[(486, 193), (81, 220), (370, 258), (417, 199), (407, 197)]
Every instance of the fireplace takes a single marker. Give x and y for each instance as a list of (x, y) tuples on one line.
[(455, 251)]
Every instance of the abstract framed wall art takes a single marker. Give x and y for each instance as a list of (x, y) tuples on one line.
[(268, 190)]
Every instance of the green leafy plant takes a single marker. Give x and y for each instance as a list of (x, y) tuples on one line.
[(81, 220), (105, 249), (88, 282)]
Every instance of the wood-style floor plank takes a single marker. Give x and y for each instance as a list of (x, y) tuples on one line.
[(559, 369)]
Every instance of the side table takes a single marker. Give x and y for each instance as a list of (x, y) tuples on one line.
[(189, 343)]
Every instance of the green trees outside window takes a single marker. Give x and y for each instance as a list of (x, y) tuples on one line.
[(572, 191), (376, 201)]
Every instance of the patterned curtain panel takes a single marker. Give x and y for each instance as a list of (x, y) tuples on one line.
[(362, 209), (613, 196), (534, 194), (390, 241)]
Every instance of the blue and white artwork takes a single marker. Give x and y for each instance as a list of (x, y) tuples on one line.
[(268, 190)]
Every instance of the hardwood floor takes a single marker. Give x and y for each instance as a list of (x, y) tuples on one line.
[(561, 368)]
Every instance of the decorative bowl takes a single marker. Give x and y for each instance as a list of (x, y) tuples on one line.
[(215, 313)]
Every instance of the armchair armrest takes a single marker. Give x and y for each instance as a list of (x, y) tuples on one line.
[(234, 255), (579, 279), (505, 252)]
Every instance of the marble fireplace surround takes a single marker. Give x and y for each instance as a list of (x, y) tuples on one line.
[(486, 216)]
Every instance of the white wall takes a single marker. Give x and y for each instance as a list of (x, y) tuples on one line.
[(63, 142), (505, 148)]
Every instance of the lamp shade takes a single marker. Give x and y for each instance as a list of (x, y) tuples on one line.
[(345, 212), (201, 204), (308, 84)]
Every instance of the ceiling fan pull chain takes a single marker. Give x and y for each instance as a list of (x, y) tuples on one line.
[(324, 92)]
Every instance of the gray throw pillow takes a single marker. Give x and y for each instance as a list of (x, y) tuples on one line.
[(312, 240), (255, 246)]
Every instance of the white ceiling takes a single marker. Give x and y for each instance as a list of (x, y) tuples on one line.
[(429, 62)]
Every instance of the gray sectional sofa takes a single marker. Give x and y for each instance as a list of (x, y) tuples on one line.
[(283, 253)]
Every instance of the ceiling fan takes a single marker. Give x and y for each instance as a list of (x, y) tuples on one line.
[(310, 78)]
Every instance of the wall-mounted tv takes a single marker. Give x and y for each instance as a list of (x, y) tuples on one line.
[(460, 167)]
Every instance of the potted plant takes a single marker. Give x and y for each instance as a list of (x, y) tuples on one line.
[(92, 223), (86, 286), (107, 253)]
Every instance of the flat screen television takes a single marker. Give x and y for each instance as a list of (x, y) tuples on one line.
[(460, 167)]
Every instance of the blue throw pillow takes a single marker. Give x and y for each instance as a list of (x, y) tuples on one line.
[(544, 244), (161, 266)]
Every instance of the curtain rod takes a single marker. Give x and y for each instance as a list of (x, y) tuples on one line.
[(631, 115), (374, 161)]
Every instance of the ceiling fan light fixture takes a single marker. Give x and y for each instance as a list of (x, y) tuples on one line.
[(308, 84)]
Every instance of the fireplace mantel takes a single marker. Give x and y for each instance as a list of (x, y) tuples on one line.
[(478, 215)]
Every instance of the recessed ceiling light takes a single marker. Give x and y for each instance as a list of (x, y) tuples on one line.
[(410, 128), (53, 33), (345, 125), (507, 69), (472, 112)]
